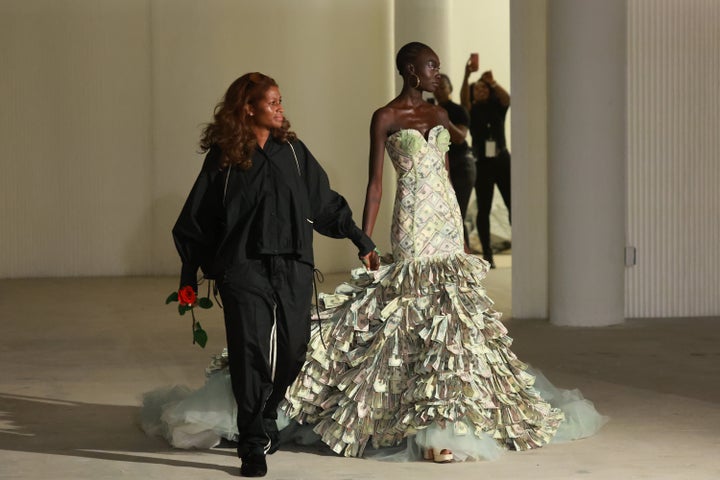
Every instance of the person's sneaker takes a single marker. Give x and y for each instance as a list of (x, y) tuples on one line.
[(253, 465), (271, 430), (226, 443), (489, 259)]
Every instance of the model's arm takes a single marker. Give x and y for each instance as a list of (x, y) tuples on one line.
[(373, 195)]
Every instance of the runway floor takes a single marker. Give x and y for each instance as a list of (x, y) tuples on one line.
[(77, 353)]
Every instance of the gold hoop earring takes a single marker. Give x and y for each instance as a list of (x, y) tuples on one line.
[(417, 80)]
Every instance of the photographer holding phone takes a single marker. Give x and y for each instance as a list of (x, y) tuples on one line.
[(488, 103)]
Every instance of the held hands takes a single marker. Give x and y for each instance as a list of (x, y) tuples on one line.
[(371, 261)]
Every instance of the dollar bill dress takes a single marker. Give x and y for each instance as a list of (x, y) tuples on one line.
[(416, 349)]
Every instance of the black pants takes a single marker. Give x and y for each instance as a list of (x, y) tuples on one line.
[(267, 323), (462, 176), (491, 171)]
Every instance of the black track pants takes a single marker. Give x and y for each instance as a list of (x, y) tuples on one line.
[(267, 312)]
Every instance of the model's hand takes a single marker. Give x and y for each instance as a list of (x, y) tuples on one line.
[(371, 261)]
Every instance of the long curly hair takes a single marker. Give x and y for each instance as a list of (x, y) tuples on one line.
[(231, 128)]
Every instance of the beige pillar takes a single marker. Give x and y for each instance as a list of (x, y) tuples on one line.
[(586, 61), (528, 35)]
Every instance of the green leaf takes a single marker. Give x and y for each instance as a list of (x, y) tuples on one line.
[(183, 308), (173, 297), (199, 335), (205, 302)]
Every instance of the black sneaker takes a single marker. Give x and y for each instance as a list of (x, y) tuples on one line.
[(253, 465), (489, 259), (226, 443), (271, 430)]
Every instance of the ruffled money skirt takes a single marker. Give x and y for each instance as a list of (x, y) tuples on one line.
[(415, 349), (412, 354)]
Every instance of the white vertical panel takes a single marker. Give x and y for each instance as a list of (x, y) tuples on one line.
[(673, 210)]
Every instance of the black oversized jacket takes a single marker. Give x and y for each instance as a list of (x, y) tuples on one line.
[(270, 209)]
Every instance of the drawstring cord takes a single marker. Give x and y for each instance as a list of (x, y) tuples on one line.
[(211, 287), (318, 277), (215, 293)]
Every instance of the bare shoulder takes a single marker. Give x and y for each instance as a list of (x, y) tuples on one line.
[(383, 114), (383, 118)]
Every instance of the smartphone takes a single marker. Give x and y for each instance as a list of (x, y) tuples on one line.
[(474, 62)]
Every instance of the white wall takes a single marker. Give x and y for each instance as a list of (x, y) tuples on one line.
[(75, 130)]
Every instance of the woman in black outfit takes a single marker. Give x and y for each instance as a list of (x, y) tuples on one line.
[(248, 223)]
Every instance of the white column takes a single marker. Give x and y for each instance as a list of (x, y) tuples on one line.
[(586, 160)]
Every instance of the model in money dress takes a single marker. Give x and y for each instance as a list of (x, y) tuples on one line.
[(415, 349), (417, 344)]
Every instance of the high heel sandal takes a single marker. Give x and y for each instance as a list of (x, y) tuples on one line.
[(438, 455)]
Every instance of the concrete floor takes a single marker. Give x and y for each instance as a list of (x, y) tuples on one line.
[(76, 354)]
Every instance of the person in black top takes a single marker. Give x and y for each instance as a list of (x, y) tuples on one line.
[(248, 223), (462, 163), (488, 103)]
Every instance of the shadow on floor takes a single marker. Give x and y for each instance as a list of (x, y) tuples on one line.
[(88, 430)]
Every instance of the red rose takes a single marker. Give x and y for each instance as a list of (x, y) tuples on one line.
[(187, 296)]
